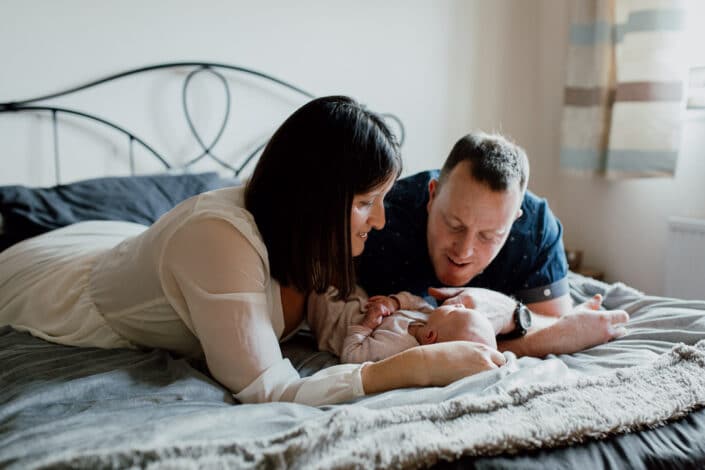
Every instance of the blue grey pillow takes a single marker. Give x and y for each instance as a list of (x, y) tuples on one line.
[(27, 212)]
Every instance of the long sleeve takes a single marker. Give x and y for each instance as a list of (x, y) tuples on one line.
[(329, 318), (408, 301), (338, 329), (220, 281), (364, 344)]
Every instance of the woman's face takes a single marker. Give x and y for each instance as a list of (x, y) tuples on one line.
[(367, 213)]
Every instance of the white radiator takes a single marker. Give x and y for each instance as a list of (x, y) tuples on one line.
[(685, 262)]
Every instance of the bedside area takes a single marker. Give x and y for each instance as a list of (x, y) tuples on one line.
[(575, 264)]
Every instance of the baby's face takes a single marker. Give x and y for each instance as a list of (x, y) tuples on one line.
[(457, 323)]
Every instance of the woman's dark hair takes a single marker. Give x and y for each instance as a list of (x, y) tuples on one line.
[(301, 190)]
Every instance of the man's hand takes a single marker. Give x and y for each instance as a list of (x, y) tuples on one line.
[(497, 307), (594, 303), (586, 326)]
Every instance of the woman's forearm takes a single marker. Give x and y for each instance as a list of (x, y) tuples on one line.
[(433, 364), (405, 369)]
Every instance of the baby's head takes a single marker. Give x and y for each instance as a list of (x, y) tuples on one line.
[(456, 323)]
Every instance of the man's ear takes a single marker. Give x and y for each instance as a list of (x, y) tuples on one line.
[(432, 187), (429, 337)]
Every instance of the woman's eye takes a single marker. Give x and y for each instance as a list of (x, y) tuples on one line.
[(366, 203)]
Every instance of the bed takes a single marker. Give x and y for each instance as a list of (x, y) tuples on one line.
[(636, 402)]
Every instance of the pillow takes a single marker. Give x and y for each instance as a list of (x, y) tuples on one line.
[(26, 212)]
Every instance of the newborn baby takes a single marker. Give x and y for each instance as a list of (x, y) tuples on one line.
[(359, 329)]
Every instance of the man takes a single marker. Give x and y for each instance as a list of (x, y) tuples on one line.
[(475, 226)]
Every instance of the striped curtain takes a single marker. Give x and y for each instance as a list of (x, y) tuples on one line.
[(625, 87)]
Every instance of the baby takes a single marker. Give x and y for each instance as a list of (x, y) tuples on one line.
[(360, 329)]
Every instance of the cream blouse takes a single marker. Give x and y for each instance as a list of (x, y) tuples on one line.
[(195, 282)]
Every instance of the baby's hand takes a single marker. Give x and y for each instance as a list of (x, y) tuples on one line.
[(378, 307)]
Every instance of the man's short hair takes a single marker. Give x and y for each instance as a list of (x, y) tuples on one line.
[(494, 160)]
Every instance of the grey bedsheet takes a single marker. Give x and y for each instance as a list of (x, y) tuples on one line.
[(57, 402)]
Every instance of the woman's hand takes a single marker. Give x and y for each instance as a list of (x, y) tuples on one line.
[(430, 365), (444, 363)]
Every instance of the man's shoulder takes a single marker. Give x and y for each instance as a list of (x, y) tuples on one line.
[(529, 232), (412, 191), (531, 256), (536, 216)]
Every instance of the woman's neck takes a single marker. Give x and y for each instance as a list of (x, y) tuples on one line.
[(293, 306)]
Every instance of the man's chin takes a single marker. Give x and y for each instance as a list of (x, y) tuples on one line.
[(454, 280)]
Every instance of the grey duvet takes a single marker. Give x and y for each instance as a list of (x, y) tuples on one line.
[(64, 407)]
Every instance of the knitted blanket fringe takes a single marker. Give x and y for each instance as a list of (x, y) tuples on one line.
[(414, 436)]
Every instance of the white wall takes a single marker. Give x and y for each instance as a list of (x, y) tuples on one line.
[(400, 56), (516, 74), (620, 224), (444, 66)]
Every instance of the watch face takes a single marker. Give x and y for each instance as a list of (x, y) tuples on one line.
[(524, 317)]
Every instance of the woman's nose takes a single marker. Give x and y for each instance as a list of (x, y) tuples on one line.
[(376, 219)]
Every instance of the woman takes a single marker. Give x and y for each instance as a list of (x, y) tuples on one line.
[(226, 273)]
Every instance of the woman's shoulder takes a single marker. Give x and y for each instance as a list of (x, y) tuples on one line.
[(218, 218)]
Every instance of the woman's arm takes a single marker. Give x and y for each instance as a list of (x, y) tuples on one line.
[(430, 365), (218, 284)]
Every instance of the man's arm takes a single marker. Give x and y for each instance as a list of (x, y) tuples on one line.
[(553, 308), (583, 328)]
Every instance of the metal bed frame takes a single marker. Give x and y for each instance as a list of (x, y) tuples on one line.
[(42, 104)]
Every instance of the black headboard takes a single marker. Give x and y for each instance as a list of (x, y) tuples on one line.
[(43, 104)]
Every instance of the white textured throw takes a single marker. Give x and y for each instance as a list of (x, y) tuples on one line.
[(539, 416)]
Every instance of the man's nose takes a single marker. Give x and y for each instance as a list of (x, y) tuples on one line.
[(464, 246)]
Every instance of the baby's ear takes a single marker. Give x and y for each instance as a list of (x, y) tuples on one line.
[(430, 336)]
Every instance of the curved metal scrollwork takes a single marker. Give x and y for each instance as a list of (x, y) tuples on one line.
[(206, 149)]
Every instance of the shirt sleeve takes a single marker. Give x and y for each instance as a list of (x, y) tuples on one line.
[(546, 278), (330, 318), (224, 284), (409, 301), (365, 344)]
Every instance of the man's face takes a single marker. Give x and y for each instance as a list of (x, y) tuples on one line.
[(468, 224)]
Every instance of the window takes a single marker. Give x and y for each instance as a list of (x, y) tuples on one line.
[(695, 38)]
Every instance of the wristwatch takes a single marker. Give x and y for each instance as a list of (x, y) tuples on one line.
[(522, 322)]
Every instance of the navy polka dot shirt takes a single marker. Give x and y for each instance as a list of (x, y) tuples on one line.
[(531, 266)]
